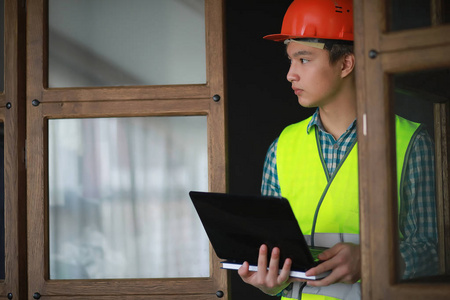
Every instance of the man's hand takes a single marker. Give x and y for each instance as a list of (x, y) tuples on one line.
[(344, 262), (267, 280)]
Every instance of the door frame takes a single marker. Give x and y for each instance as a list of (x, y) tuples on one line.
[(379, 54)]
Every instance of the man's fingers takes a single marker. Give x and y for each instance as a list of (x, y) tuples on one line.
[(274, 264), (329, 253), (321, 268), (243, 271), (285, 271), (323, 282), (335, 276), (270, 280), (262, 258), (344, 263)]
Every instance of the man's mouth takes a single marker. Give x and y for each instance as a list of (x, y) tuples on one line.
[(297, 91)]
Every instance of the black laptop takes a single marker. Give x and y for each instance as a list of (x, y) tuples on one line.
[(237, 225)]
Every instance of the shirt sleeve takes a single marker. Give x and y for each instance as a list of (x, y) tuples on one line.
[(417, 218), (270, 185)]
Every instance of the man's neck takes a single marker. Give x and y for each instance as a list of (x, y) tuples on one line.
[(338, 116)]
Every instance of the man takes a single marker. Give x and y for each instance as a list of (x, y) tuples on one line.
[(314, 163)]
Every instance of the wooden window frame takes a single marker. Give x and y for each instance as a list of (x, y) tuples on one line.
[(12, 115), (45, 103), (379, 54)]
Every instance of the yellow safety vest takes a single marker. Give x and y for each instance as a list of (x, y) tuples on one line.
[(327, 207)]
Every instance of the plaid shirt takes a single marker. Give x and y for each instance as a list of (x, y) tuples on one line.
[(417, 219)]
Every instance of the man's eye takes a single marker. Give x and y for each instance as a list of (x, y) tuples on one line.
[(304, 61)]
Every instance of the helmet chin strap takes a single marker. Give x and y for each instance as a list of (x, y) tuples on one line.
[(305, 43)]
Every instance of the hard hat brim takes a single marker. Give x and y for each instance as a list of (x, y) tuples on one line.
[(280, 37)]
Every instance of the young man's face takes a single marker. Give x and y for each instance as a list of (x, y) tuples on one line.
[(314, 80)]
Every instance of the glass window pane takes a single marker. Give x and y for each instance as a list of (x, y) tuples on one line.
[(118, 197), (407, 14), (2, 45), (133, 42), (421, 214)]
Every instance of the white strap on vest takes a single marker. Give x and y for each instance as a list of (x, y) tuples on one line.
[(338, 290), (328, 240), (296, 289)]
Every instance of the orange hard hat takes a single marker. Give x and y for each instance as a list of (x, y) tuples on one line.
[(318, 19)]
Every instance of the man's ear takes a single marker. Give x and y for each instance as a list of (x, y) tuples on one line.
[(348, 64)]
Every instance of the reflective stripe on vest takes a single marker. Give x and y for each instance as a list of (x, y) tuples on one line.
[(335, 291), (323, 204), (328, 240)]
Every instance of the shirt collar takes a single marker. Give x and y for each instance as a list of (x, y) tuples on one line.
[(315, 121)]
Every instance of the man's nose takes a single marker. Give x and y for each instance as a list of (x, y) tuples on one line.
[(292, 76)]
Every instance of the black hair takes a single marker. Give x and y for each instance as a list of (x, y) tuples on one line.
[(338, 51), (336, 48)]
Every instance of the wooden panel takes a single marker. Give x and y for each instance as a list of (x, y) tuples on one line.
[(214, 46), (217, 135), (416, 59), (441, 115), (403, 51), (6, 286), (2, 100), (364, 172), (138, 297), (35, 142), (14, 156), (125, 93), (127, 108), (126, 287), (117, 102), (414, 39), (217, 120), (419, 291), (375, 156)]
